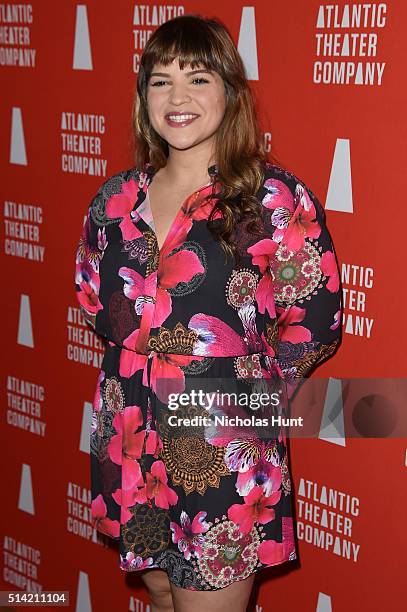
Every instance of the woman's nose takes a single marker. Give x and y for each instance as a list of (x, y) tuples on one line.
[(179, 94)]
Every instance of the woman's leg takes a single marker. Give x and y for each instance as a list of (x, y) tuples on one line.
[(233, 597), (159, 590)]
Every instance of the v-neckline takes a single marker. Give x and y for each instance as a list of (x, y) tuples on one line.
[(148, 209)]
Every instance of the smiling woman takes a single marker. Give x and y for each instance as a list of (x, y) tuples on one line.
[(204, 265)]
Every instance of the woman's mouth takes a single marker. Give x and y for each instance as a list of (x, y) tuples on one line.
[(180, 119)]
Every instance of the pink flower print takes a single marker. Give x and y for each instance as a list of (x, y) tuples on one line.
[(256, 509), (271, 552), (216, 337), (89, 283), (132, 562), (88, 255), (166, 375), (265, 295), (303, 223), (130, 361), (280, 200), (99, 519), (262, 253), (330, 269), (134, 283), (138, 288), (278, 195), (288, 332), (121, 205), (180, 267), (102, 243), (97, 399), (263, 473), (196, 208), (189, 536), (337, 319), (257, 462), (126, 446), (130, 497), (157, 487)]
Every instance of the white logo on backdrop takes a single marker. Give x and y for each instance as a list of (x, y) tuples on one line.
[(16, 37), (357, 280), (82, 143), (83, 603), (17, 144), (247, 44), (332, 425), (339, 196), (22, 224), (25, 405), (349, 58), (25, 328), (146, 17), (82, 54), (325, 518), (324, 603), (26, 498), (84, 445), (136, 605)]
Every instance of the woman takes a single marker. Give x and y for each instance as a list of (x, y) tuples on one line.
[(204, 265)]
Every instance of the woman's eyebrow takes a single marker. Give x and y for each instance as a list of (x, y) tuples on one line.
[(165, 74)]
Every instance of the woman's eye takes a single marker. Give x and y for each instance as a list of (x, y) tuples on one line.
[(156, 83), (201, 79)]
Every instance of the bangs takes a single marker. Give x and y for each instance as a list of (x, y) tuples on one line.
[(191, 41)]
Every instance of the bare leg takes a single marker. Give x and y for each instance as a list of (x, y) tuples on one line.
[(159, 590), (233, 597)]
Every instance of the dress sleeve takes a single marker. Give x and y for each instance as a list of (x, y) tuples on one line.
[(309, 310), (89, 253)]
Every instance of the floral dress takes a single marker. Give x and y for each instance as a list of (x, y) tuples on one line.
[(208, 503)]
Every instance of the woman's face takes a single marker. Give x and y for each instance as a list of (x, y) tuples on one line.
[(186, 106)]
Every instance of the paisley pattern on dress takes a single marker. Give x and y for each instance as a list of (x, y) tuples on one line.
[(207, 504)]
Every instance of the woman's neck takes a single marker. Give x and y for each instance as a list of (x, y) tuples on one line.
[(186, 168)]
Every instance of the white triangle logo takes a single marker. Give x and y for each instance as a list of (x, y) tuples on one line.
[(247, 45), (25, 329), (324, 603), (82, 55), (83, 603), (320, 18), (18, 153), (339, 196), (136, 605), (84, 444), (332, 425), (26, 499)]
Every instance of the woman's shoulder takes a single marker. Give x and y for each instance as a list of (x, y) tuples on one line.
[(125, 183), (283, 188), (273, 173), (113, 183)]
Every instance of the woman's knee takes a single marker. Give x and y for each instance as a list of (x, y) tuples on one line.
[(159, 590), (235, 597)]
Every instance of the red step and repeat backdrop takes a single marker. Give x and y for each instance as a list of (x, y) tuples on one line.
[(330, 84)]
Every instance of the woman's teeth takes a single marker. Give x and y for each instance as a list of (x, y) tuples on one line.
[(181, 118)]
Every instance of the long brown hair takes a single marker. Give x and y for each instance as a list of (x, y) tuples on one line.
[(239, 151)]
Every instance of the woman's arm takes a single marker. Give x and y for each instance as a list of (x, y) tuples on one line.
[(310, 329), (89, 253)]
